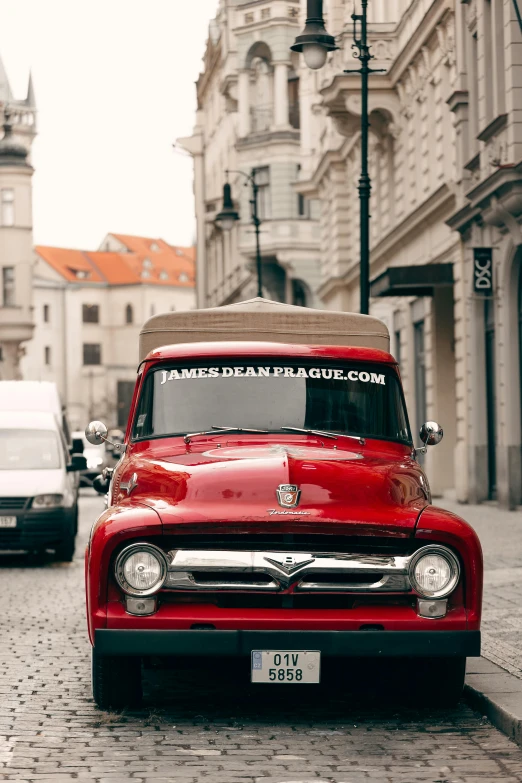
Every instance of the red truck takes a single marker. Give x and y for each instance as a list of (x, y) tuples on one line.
[(269, 503)]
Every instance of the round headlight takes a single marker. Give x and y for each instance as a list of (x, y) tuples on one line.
[(434, 571), (141, 569)]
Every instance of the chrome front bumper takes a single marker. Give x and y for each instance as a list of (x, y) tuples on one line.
[(202, 570)]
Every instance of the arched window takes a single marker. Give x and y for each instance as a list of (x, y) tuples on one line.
[(129, 314)]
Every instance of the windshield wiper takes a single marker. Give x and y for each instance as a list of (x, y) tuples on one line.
[(324, 434), (221, 430)]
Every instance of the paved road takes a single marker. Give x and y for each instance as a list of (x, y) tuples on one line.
[(500, 533), (201, 726)]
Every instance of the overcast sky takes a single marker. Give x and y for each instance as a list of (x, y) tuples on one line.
[(114, 82)]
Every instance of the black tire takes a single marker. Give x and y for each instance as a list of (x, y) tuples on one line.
[(438, 682), (64, 551), (116, 681)]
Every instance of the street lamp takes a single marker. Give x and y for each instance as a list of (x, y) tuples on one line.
[(314, 38), (228, 216)]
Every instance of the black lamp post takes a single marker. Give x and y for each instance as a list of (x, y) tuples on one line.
[(228, 216), (315, 43)]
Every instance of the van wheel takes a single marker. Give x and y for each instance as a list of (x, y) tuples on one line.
[(438, 682), (64, 551), (116, 681)]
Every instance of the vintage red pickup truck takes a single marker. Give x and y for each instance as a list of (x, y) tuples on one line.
[(269, 504)]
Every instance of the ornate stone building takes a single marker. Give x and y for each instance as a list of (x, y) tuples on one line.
[(445, 152), (249, 116), (18, 119)]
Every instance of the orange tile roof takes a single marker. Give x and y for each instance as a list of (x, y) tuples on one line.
[(166, 267), (145, 245)]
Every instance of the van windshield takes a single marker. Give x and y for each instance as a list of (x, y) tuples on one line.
[(350, 399), (29, 450)]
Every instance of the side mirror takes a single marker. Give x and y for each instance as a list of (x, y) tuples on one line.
[(101, 484), (78, 462), (96, 433), (77, 446), (431, 433)]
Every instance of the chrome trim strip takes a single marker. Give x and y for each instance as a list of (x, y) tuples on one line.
[(298, 570)]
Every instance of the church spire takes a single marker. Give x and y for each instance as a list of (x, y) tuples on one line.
[(6, 94), (30, 101)]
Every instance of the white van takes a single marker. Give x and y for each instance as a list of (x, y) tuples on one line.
[(35, 396), (38, 490)]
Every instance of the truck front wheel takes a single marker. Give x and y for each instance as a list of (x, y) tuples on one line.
[(438, 682), (116, 681)]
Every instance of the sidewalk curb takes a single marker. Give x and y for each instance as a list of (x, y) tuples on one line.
[(496, 694)]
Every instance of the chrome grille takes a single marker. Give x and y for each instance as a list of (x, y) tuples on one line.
[(299, 572)]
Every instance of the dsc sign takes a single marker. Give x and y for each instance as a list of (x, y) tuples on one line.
[(483, 270)]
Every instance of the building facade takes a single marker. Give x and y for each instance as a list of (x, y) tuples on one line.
[(88, 311), (445, 161), (18, 118), (249, 117)]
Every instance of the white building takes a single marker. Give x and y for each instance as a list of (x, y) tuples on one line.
[(249, 115), (19, 130), (88, 310), (446, 164)]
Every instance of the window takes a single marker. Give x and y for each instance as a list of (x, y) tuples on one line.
[(491, 398), (265, 13), (29, 450), (47, 355), (420, 374), (299, 297), (364, 400), (46, 313), (129, 314), (263, 195), (249, 18), (8, 207), (90, 314), (1, 353), (8, 286), (91, 353)]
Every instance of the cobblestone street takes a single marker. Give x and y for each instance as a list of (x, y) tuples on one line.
[(205, 727), (500, 533)]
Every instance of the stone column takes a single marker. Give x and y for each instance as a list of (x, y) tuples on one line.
[(281, 109), (244, 103)]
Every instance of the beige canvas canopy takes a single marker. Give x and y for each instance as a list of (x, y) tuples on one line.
[(262, 320)]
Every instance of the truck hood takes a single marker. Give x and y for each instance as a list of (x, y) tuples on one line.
[(234, 488)]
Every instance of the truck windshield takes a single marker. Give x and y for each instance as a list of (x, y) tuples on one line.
[(29, 450), (348, 399)]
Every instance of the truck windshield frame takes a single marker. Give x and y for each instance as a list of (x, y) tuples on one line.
[(307, 394)]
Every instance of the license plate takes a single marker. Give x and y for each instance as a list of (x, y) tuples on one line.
[(7, 521), (286, 666)]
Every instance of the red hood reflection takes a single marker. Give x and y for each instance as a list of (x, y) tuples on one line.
[(231, 484)]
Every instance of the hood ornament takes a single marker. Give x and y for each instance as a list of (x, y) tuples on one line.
[(289, 564), (130, 485), (288, 495)]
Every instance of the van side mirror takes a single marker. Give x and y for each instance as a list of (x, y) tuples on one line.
[(77, 446), (78, 462)]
